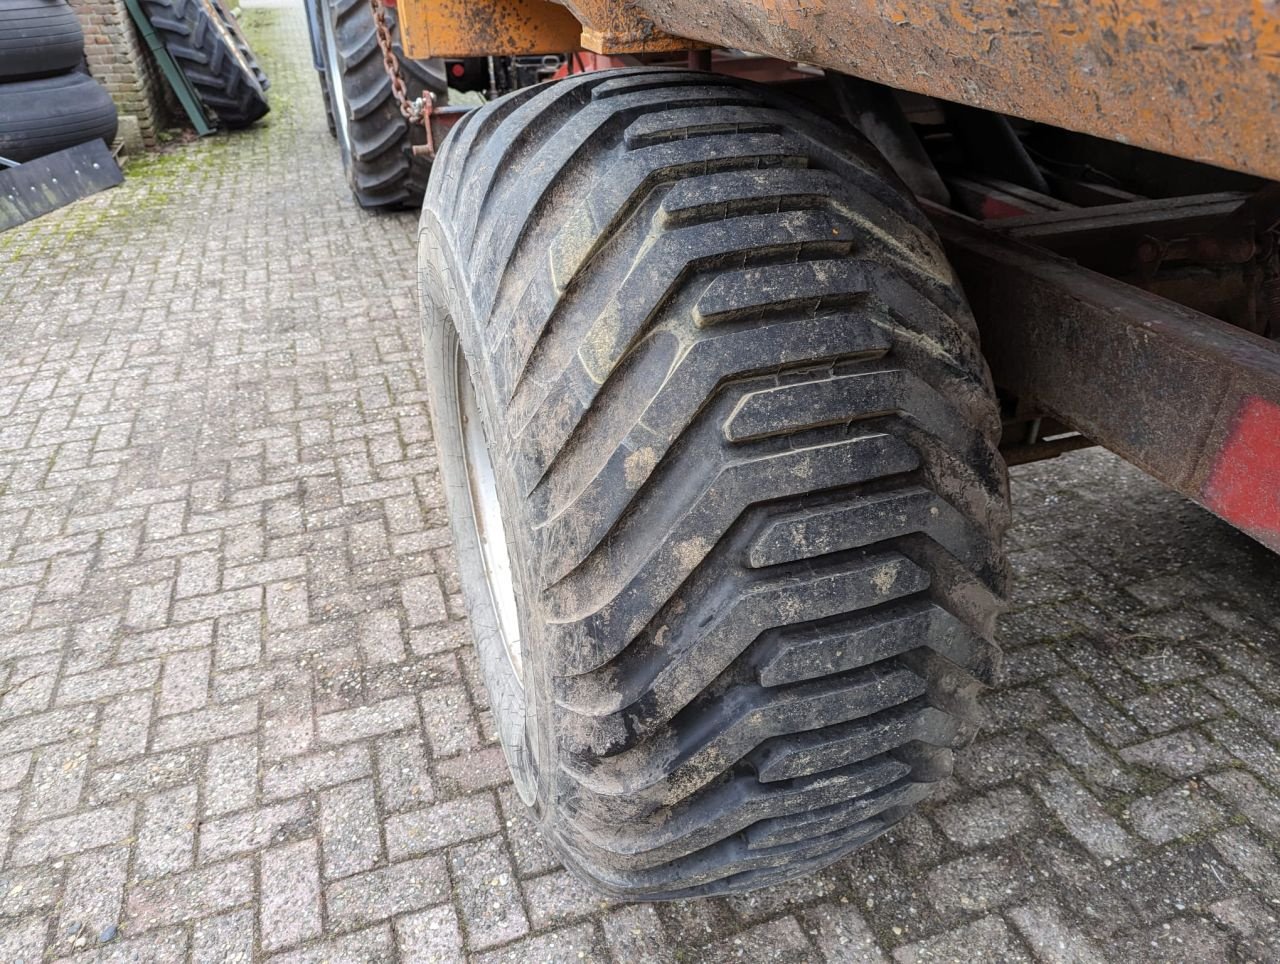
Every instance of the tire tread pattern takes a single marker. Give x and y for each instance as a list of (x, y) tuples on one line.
[(740, 392), (208, 60), (381, 168)]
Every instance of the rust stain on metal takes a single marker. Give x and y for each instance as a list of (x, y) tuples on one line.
[(1164, 386), (1198, 79), (622, 26), (476, 28)]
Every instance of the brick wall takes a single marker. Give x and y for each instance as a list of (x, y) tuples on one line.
[(119, 60)]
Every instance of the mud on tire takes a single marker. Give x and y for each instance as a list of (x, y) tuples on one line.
[(745, 451)]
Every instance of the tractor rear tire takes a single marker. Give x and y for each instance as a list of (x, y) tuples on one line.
[(38, 38), (198, 37), (374, 138), (720, 456)]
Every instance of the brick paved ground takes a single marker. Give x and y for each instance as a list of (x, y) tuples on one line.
[(239, 717)]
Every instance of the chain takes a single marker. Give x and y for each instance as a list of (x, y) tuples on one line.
[(415, 111)]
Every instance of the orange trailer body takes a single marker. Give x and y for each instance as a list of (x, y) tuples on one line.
[(1196, 79)]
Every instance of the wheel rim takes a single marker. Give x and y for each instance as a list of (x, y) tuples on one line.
[(486, 516), (333, 77)]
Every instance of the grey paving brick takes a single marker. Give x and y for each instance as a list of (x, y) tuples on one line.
[(290, 911), (254, 829), (442, 825), (23, 939), (1094, 712), (635, 933), (218, 604), (485, 888), (57, 780), (239, 640), (72, 834), (1175, 707), (381, 637), (106, 682), (166, 838), (1247, 853), (570, 944), (977, 884), (231, 775), (429, 936), (225, 939), (349, 829), (1072, 742), (1180, 811), (370, 944), (449, 720), (184, 685), (1163, 883), (1052, 938), (160, 642), (778, 940), (378, 894), (27, 732), (148, 606), (1181, 754), (1083, 817), (366, 721), (186, 896), (986, 939), (94, 895), (1243, 792), (316, 771), (197, 575), (1183, 939), (1243, 741), (142, 775), (205, 725), (168, 946), (560, 898), (532, 854), (424, 601), (403, 775), (982, 820), (14, 769)]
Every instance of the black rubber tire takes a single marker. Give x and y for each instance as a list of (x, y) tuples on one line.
[(375, 140), (208, 53), (242, 44), (38, 117), (745, 449), (38, 38)]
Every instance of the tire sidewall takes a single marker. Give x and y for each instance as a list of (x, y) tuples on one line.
[(517, 709), (333, 78)]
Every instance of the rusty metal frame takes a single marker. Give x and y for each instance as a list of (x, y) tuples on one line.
[(1190, 399), (486, 28), (1195, 80)]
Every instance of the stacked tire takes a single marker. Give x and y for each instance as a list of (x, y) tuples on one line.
[(206, 42), (47, 102)]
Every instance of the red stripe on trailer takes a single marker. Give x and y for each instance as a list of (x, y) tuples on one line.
[(1244, 487)]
